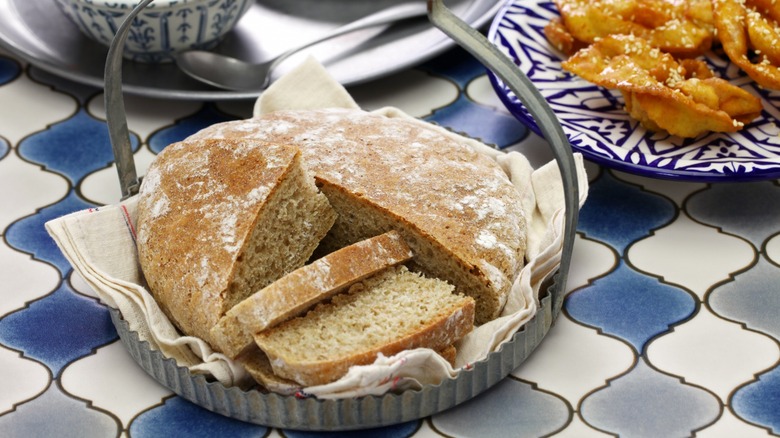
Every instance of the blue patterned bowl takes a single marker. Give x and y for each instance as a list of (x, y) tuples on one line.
[(163, 28)]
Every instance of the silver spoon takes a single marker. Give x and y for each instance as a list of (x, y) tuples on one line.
[(233, 74)]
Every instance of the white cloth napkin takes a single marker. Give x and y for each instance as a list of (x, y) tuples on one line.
[(100, 245)]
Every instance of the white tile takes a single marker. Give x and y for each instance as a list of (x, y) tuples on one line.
[(591, 259), (78, 284), (22, 379), (593, 170), (480, 90), (729, 425), (403, 91), (678, 191), (534, 148), (426, 431), (699, 263), (573, 360), (510, 405), (713, 353), (23, 279), (102, 187), (146, 115), (773, 249), (39, 188), (31, 98), (110, 379), (579, 429)]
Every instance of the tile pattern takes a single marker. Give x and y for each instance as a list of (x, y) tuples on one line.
[(670, 327)]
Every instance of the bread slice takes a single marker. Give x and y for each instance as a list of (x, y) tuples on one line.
[(297, 291), (221, 219), (256, 363), (456, 208), (449, 353), (387, 313)]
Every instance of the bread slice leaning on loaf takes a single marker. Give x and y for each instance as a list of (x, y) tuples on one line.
[(219, 219), (392, 311), (256, 363), (456, 208), (299, 290)]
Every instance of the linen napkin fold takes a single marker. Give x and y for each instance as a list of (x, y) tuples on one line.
[(100, 245)]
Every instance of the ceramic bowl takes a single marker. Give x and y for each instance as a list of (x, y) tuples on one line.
[(162, 28)]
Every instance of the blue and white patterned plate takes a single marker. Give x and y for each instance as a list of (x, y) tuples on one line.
[(598, 126)]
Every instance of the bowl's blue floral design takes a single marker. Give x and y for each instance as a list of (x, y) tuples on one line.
[(162, 29)]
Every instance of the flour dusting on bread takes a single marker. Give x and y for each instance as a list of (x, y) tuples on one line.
[(327, 237), (213, 219), (455, 207), (296, 292)]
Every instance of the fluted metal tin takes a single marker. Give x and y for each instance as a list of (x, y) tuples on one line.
[(310, 413), (291, 412)]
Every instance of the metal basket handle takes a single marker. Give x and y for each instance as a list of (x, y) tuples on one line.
[(115, 108), (442, 18), (482, 49)]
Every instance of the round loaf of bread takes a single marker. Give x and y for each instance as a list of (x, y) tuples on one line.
[(220, 219), (456, 208)]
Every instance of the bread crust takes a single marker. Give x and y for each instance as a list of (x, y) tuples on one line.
[(437, 335), (297, 291), (199, 205), (436, 328), (256, 363), (456, 208)]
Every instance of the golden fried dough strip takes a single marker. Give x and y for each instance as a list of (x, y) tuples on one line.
[(560, 37), (696, 68), (731, 22), (681, 28), (672, 113), (589, 20), (764, 37), (766, 7), (734, 101), (660, 92)]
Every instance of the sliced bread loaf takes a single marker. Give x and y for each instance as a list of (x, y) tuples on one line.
[(387, 313), (221, 219), (297, 291), (456, 208)]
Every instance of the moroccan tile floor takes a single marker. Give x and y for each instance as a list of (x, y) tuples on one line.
[(671, 327)]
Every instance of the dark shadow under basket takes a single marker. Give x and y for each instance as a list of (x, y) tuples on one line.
[(291, 412)]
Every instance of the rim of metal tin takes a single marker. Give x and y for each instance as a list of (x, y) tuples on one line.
[(290, 412)]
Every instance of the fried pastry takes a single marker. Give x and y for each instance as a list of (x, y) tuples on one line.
[(749, 33), (683, 98), (679, 28)]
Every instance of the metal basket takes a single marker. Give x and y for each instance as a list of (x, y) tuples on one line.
[(291, 412)]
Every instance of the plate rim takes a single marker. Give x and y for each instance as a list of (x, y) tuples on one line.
[(517, 110), (11, 44)]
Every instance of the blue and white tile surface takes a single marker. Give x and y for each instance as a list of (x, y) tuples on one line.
[(671, 327)]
